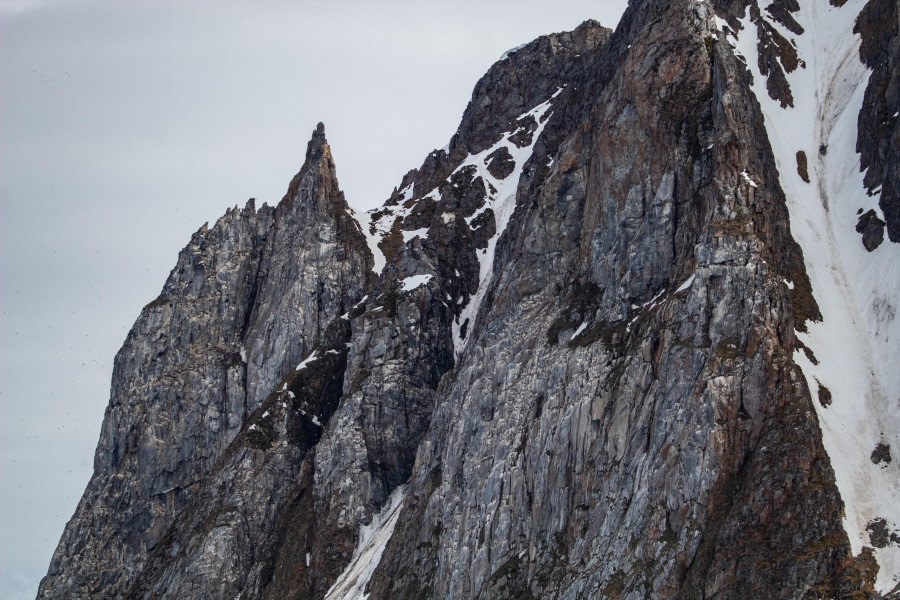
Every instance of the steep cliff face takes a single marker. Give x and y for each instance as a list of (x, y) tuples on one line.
[(585, 351), (628, 420), (247, 300)]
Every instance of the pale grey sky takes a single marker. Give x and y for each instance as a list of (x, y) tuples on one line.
[(125, 126)]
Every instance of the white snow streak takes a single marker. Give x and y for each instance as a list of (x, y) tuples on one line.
[(364, 221), (305, 362), (511, 51), (748, 179), (688, 282), (503, 203), (581, 328), (373, 538), (376, 230), (856, 343)]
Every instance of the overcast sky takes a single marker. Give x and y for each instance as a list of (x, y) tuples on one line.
[(125, 126)]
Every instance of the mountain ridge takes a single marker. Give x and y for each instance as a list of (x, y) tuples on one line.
[(567, 342)]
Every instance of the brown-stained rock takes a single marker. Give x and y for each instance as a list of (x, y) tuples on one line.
[(500, 163)]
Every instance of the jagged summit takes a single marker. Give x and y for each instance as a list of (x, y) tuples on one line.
[(317, 143), (585, 351), (318, 159), (249, 298)]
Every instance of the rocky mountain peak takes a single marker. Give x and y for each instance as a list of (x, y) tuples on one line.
[(250, 298), (586, 350), (317, 147), (316, 183), (523, 78)]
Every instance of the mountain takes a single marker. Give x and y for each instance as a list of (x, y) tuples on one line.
[(632, 333)]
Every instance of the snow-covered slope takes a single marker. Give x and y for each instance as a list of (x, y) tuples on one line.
[(854, 348), (373, 538)]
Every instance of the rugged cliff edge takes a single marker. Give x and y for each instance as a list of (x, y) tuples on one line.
[(246, 302), (585, 351)]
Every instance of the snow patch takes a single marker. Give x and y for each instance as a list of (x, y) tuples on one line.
[(507, 54), (688, 282), (366, 226), (581, 328), (305, 362), (421, 233), (373, 538), (414, 281), (856, 341), (408, 192)]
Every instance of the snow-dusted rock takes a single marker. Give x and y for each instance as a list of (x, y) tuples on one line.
[(587, 350)]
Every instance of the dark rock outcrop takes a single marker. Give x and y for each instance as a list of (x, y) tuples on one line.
[(879, 120)]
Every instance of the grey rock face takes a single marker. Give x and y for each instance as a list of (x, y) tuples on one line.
[(226, 541), (177, 399), (578, 356), (247, 300), (402, 344), (628, 422)]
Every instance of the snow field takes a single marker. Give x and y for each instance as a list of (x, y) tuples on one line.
[(857, 342)]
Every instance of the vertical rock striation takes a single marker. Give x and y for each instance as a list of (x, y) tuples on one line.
[(628, 421), (572, 335), (248, 299)]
